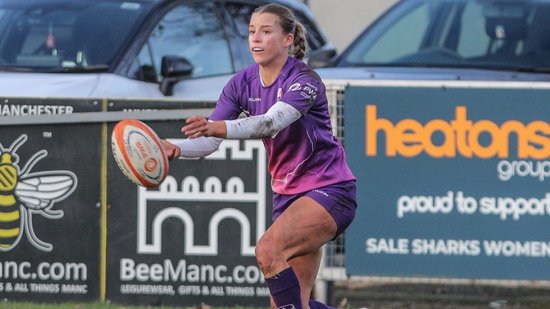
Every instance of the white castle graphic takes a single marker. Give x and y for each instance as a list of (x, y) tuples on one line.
[(189, 190)]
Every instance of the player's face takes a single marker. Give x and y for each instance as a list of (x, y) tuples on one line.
[(266, 39)]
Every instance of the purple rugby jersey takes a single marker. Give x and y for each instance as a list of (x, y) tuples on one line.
[(304, 155)]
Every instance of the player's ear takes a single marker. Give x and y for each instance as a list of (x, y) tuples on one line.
[(289, 40)]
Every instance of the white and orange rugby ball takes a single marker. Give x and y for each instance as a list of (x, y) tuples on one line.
[(139, 153)]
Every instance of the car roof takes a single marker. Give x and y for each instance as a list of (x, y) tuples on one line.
[(289, 3), (293, 4)]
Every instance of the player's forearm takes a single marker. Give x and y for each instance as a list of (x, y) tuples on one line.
[(197, 147), (278, 117), (217, 129)]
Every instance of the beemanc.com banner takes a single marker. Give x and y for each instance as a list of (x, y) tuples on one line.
[(192, 239), (49, 203), (452, 182)]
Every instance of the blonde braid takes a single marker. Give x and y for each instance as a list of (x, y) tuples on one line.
[(299, 46)]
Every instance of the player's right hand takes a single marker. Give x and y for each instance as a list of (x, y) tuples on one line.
[(172, 151)]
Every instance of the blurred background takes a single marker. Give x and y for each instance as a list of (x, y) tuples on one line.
[(491, 57), (342, 21)]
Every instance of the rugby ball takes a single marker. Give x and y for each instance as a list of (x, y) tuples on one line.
[(139, 153)]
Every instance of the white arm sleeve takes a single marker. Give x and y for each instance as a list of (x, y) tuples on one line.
[(198, 147), (278, 117)]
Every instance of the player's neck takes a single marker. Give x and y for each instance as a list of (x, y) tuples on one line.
[(270, 72)]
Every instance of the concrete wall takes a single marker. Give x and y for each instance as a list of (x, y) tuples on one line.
[(343, 20)]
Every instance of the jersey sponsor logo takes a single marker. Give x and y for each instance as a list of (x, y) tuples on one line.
[(295, 87), (308, 91)]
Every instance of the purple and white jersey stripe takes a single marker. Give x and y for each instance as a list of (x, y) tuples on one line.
[(304, 155)]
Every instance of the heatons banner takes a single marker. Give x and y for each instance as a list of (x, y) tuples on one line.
[(452, 182)]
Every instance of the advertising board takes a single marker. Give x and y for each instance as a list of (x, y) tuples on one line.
[(191, 240), (452, 181), (74, 228), (49, 204)]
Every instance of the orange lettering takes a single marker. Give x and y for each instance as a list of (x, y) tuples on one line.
[(543, 151), (371, 134), (461, 126), (440, 138), (447, 148), (408, 138)]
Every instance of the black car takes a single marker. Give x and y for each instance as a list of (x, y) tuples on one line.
[(130, 48)]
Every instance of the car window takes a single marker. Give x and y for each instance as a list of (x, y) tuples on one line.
[(457, 33), (403, 37), (50, 34), (193, 31), (239, 16), (473, 37)]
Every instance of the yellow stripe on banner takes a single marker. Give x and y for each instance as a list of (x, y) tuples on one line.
[(103, 242), (6, 233), (9, 216), (7, 200)]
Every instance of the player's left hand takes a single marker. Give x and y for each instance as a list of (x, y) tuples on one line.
[(197, 126)]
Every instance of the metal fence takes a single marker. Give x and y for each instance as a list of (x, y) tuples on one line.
[(332, 264), (332, 267)]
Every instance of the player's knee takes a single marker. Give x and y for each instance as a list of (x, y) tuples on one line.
[(265, 255)]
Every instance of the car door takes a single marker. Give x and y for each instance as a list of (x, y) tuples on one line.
[(192, 30)]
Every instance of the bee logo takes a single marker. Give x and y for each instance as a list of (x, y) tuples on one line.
[(24, 194)]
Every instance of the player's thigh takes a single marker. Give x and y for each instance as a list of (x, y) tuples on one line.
[(303, 228)]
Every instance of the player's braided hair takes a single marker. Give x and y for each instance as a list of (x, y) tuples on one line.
[(289, 24)]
